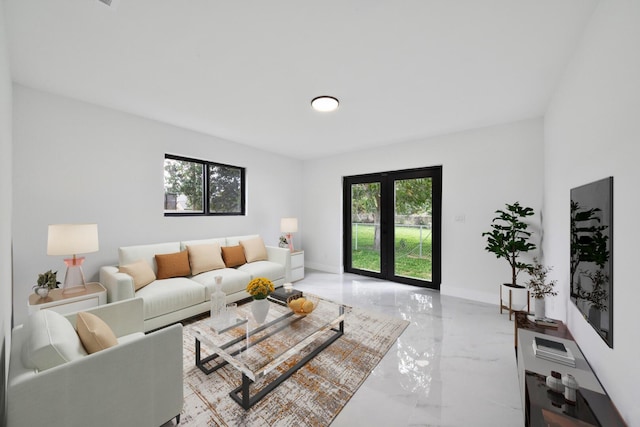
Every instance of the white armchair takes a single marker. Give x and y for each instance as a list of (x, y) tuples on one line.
[(138, 382)]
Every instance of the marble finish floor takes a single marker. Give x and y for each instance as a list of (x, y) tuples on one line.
[(453, 366)]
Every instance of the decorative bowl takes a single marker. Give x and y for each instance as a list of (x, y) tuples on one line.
[(302, 304)]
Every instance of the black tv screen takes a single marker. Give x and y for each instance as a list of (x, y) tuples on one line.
[(591, 270)]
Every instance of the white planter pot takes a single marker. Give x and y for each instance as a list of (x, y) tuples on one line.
[(518, 297), (259, 310), (539, 308)]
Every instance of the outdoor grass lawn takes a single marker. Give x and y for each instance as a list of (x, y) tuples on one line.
[(409, 263)]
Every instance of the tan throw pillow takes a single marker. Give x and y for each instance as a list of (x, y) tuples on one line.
[(205, 258), (254, 249), (233, 256), (173, 265), (141, 273), (94, 333)]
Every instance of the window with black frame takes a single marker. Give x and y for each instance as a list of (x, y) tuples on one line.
[(200, 187)]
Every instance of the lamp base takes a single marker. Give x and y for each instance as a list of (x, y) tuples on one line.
[(74, 277), (290, 240)]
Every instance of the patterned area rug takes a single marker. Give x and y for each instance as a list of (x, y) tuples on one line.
[(313, 396)]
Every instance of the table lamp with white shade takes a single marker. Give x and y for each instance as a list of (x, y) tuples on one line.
[(288, 226), (72, 239)]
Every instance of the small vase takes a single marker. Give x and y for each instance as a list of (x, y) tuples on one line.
[(259, 310), (42, 291), (218, 303), (595, 316), (539, 308)]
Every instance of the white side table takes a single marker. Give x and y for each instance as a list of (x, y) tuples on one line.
[(95, 295), (297, 265)]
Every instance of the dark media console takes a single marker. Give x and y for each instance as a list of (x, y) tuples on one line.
[(542, 407)]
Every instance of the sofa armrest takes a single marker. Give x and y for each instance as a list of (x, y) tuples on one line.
[(119, 285), (138, 382), (123, 317), (279, 255)]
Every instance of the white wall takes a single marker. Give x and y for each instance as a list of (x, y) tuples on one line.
[(5, 212), (77, 162), (482, 170), (592, 130)]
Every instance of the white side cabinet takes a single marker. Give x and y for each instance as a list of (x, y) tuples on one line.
[(95, 295), (297, 266)]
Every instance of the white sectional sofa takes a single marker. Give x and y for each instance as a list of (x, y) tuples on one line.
[(173, 299)]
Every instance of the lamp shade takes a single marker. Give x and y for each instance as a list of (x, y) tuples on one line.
[(71, 239), (289, 225)]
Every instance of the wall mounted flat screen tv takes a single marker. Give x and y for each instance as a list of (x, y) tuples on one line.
[(592, 255)]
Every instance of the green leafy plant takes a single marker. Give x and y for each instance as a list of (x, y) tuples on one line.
[(538, 284), (48, 279), (588, 240), (589, 246), (597, 298), (509, 238)]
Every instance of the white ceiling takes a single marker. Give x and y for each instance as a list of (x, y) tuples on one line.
[(247, 70)]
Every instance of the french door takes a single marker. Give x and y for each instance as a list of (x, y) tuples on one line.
[(392, 225)]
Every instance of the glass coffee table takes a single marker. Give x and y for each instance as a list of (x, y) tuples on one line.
[(256, 350)]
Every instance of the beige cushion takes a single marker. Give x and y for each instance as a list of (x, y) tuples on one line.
[(94, 333), (50, 341), (233, 256), (141, 273), (173, 265), (254, 249), (205, 258)]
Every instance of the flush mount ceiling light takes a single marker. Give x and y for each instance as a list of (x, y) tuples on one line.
[(324, 103)]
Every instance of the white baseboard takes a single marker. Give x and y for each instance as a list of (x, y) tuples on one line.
[(323, 267)]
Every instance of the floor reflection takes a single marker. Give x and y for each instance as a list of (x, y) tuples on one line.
[(442, 370)]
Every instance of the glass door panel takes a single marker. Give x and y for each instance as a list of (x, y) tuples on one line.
[(413, 221), (391, 225), (365, 226)]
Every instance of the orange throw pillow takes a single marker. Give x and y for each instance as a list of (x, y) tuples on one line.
[(173, 265), (233, 256)]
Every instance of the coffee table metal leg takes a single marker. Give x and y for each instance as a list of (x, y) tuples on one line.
[(200, 362), (246, 398)]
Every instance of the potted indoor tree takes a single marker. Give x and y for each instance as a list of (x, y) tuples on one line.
[(540, 287), (509, 238)]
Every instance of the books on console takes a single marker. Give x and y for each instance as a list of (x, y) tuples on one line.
[(546, 322), (553, 351)]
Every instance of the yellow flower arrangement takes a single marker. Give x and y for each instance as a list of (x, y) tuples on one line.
[(260, 287)]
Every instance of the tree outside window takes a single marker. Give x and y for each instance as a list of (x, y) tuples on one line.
[(199, 187)]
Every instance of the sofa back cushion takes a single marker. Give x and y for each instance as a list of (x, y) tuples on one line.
[(130, 254), (173, 265), (235, 240), (233, 256), (220, 241), (205, 258), (50, 341), (254, 249)]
